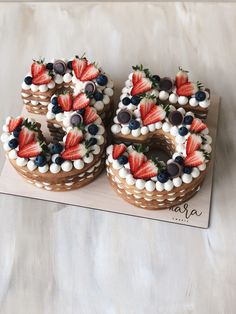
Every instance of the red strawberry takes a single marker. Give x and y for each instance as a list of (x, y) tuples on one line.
[(146, 171), (37, 68), (137, 75), (118, 150), (90, 115), (65, 101), (156, 114), (142, 86), (30, 150), (197, 125), (79, 65), (194, 159), (26, 136), (14, 123), (90, 73), (136, 159), (74, 152), (193, 143), (187, 89), (80, 101), (73, 137), (42, 78), (145, 106), (181, 78)]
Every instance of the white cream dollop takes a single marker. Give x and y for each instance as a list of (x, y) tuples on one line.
[(66, 166), (54, 168), (140, 184), (43, 169), (150, 186), (31, 165), (78, 164)]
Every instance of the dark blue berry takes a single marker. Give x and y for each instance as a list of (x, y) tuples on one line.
[(98, 96), (187, 170), (163, 176), (49, 66), (101, 80), (40, 161), (179, 160), (57, 148), (126, 101), (183, 131), (134, 124), (28, 80), (156, 78), (59, 160), (188, 119), (13, 143), (92, 141), (122, 160), (56, 109), (81, 111), (135, 100), (54, 101), (93, 129), (69, 65), (200, 95), (16, 132)]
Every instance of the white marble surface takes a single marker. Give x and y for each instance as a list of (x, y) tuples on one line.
[(58, 259)]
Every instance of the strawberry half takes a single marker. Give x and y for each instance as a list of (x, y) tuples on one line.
[(146, 171), (137, 75), (136, 159), (145, 106), (79, 65), (14, 123), (30, 150), (26, 136), (156, 114), (187, 89), (193, 143), (181, 78), (90, 115), (73, 137), (80, 101), (194, 159), (90, 73), (37, 68), (142, 86), (197, 126), (118, 150), (65, 101), (42, 78), (74, 152)]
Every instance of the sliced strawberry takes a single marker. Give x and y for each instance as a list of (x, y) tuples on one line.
[(194, 159), (142, 86), (156, 114), (197, 126), (42, 78), (136, 159), (26, 136), (90, 115), (118, 150), (37, 68), (137, 75), (181, 78), (14, 123), (80, 101), (73, 137), (74, 152), (30, 150), (187, 89), (79, 65), (145, 106), (90, 73), (193, 143), (65, 101), (146, 171)]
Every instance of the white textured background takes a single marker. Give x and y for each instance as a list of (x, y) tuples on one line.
[(58, 259)]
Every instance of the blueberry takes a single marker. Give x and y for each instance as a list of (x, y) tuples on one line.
[(40, 161), (92, 141), (163, 176), (16, 132), (183, 131), (69, 65), (59, 160), (49, 66), (13, 143), (93, 129), (98, 96), (57, 148), (122, 160), (187, 170), (54, 101), (179, 160), (200, 95), (56, 109), (134, 124), (135, 100), (126, 101), (156, 78), (188, 119), (81, 111), (28, 80), (101, 80)]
